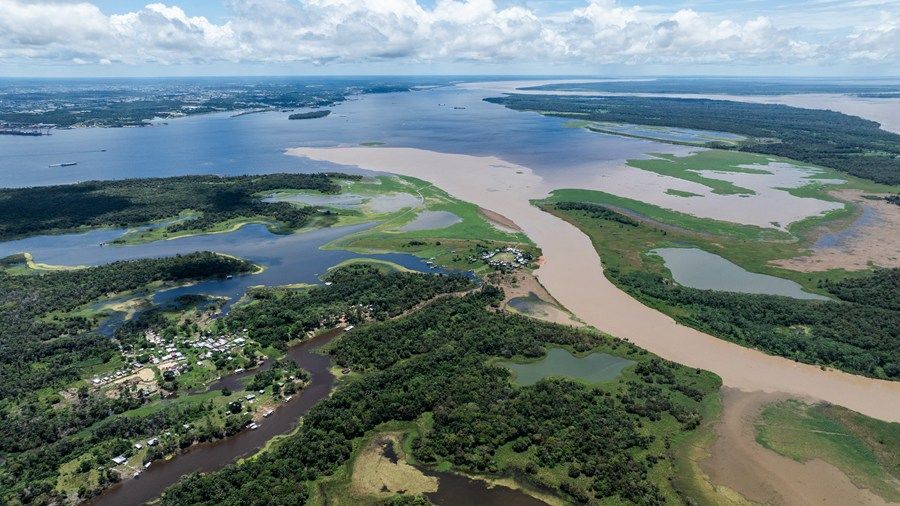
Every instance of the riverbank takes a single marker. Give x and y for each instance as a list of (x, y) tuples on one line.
[(208, 457), (572, 273)]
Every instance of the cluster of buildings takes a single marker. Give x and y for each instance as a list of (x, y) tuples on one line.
[(111, 377), (167, 356), (221, 344), (512, 258)]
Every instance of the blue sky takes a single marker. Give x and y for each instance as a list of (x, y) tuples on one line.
[(608, 37)]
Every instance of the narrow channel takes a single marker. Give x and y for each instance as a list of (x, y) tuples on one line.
[(207, 457)]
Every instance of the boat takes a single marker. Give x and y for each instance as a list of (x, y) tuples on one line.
[(63, 164)]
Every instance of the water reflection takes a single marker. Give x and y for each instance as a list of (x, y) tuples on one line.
[(700, 269), (288, 259)]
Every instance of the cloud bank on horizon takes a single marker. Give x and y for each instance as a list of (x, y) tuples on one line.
[(319, 32)]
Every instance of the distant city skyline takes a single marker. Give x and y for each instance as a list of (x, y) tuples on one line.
[(340, 37)]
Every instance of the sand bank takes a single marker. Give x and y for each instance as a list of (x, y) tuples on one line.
[(873, 239), (763, 476), (572, 273)]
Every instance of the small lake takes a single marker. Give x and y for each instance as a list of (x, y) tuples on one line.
[(530, 305), (455, 489), (594, 368), (700, 269), (429, 220)]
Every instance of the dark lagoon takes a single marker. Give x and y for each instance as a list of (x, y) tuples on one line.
[(287, 259)]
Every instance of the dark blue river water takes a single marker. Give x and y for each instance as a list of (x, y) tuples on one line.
[(255, 143), (288, 259)]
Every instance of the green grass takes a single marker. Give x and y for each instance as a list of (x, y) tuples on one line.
[(153, 407), (688, 167), (623, 247), (382, 265), (449, 246), (666, 216), (865, 449), (681, 193)]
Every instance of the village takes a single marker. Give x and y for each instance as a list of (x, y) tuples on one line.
[(149, 367), (504, 259)]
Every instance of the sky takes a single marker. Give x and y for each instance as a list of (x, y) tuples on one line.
[(859, 38)]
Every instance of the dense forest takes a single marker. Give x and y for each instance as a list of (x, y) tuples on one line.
[(726, 86), (310, 115), (37, 436), (860, 333), (359, 292), (130, 202), (826, 138), (596, 442), (881, 289), (40, 347)]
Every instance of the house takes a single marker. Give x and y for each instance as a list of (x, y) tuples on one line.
[(119, 460), (153, 441)]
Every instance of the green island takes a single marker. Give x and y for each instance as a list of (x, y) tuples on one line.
[(825, 138), (855, 332), (310, 115)]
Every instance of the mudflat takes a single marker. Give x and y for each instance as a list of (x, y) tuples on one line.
[(761, 475), (572, 273)]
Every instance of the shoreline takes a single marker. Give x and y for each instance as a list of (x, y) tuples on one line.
[(573, 275)]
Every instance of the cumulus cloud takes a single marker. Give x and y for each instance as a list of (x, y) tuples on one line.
[(321, 31)]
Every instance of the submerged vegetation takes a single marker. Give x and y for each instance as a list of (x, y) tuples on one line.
[(830, 139), (863, 448)]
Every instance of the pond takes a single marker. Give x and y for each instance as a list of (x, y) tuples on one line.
[(429, 220), (594, 368), (454, 489), (700, 269)]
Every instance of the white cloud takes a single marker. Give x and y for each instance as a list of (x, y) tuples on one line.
[(321, 31)]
